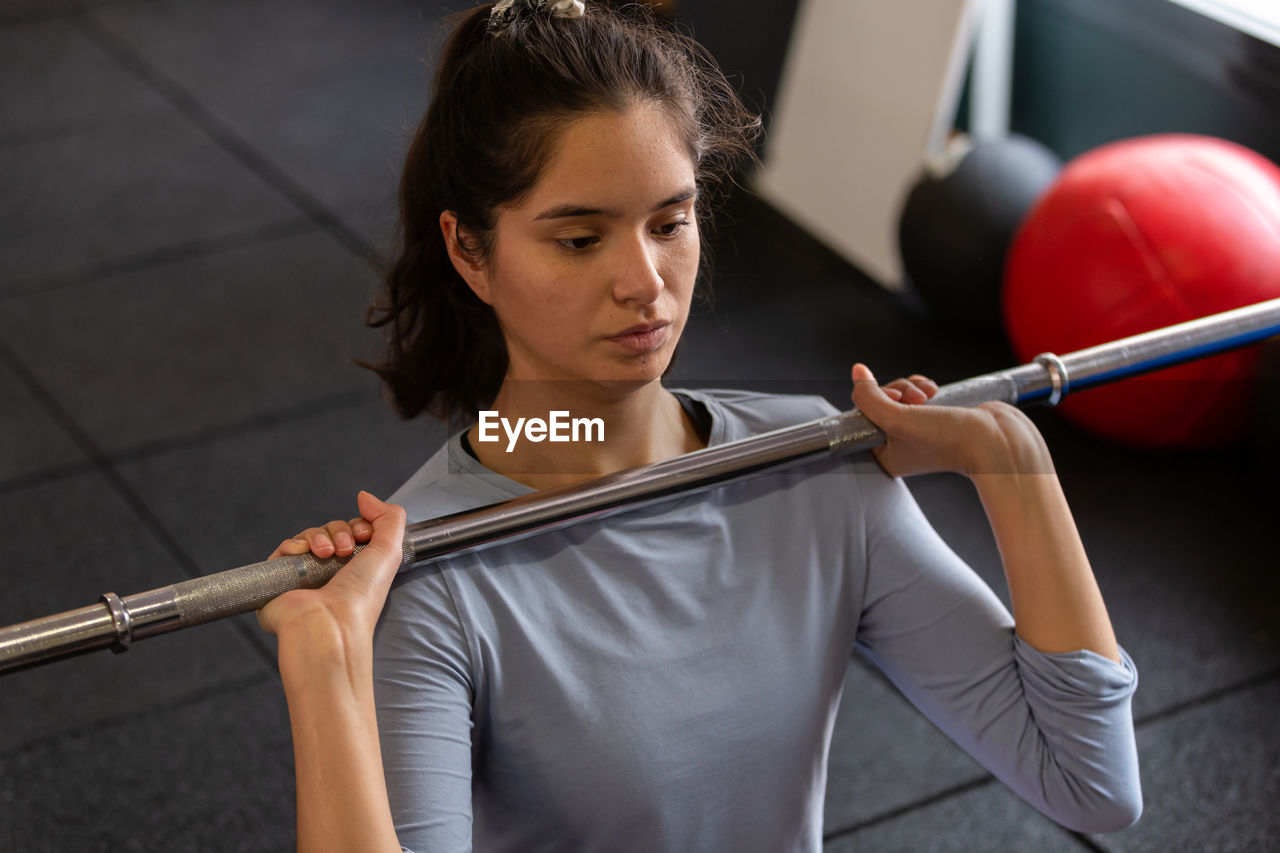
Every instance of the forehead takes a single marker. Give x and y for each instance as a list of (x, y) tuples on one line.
[(615, 159)]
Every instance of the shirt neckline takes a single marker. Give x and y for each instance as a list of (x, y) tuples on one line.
[(462, 461)]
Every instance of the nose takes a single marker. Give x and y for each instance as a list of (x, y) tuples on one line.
[(636, 277)]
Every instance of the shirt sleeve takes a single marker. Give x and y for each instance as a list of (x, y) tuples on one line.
[(424, 693), (1055, 728)]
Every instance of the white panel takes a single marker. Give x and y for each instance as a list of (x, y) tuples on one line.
[(857, 104), (1258, 18)]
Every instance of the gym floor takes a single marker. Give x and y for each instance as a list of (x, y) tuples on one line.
[(188, 194)]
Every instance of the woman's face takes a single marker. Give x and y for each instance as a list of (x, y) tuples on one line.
[(591, 275)]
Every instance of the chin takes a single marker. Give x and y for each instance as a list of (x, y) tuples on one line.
[(627, 381)]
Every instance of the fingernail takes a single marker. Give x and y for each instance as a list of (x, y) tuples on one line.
[(344, 542)]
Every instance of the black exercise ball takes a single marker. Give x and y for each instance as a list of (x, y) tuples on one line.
[(958, 221)]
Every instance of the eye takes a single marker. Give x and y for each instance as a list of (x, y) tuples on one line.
[(671, 229), (576, 244)]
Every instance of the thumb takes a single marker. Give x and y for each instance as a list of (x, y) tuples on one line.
[(872, 400), (387, 519), (370, 572)]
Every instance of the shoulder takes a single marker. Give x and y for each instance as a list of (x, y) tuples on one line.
[(451, 481), (743, 413)]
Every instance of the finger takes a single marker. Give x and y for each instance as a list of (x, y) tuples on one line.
[(910, 393), (290, 548), (361, 529), (340, 533), (319, 541), (925, 384)]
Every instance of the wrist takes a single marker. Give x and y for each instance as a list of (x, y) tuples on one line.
[(318, 653), (1009, 444)]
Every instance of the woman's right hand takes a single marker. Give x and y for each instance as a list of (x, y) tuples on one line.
[(336, 539), (325, 652), (336, 620)]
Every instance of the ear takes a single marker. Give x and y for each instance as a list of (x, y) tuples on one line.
[(471, 270)]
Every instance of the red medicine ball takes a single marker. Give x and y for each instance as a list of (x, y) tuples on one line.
[(1134, 236)]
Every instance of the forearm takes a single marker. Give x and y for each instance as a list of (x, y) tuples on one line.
[(341, 792), (1057, 606)]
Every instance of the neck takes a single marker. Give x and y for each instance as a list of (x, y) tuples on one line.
[(640, 425)]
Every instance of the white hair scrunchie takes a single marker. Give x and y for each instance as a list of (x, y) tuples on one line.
[(567, 8), (556, 8)]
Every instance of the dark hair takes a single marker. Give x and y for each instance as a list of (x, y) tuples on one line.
[(501, 94)]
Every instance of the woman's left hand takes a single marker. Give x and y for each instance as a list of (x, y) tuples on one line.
[(1056, 602), (989, 438)]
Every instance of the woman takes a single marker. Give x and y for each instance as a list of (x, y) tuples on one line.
[(666, 679)]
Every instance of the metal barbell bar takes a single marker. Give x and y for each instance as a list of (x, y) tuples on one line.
[(116, 622)]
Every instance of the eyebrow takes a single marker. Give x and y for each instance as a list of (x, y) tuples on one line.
[(568, 211)]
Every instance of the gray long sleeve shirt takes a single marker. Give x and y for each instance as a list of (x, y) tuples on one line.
[(668, 679)]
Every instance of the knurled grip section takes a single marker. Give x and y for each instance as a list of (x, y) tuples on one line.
[(980, 389), (250, 587), (850, 432)]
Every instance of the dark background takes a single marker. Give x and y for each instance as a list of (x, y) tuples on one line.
[(189, 193)]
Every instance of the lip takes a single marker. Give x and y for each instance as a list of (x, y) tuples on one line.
[(643, 337)]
